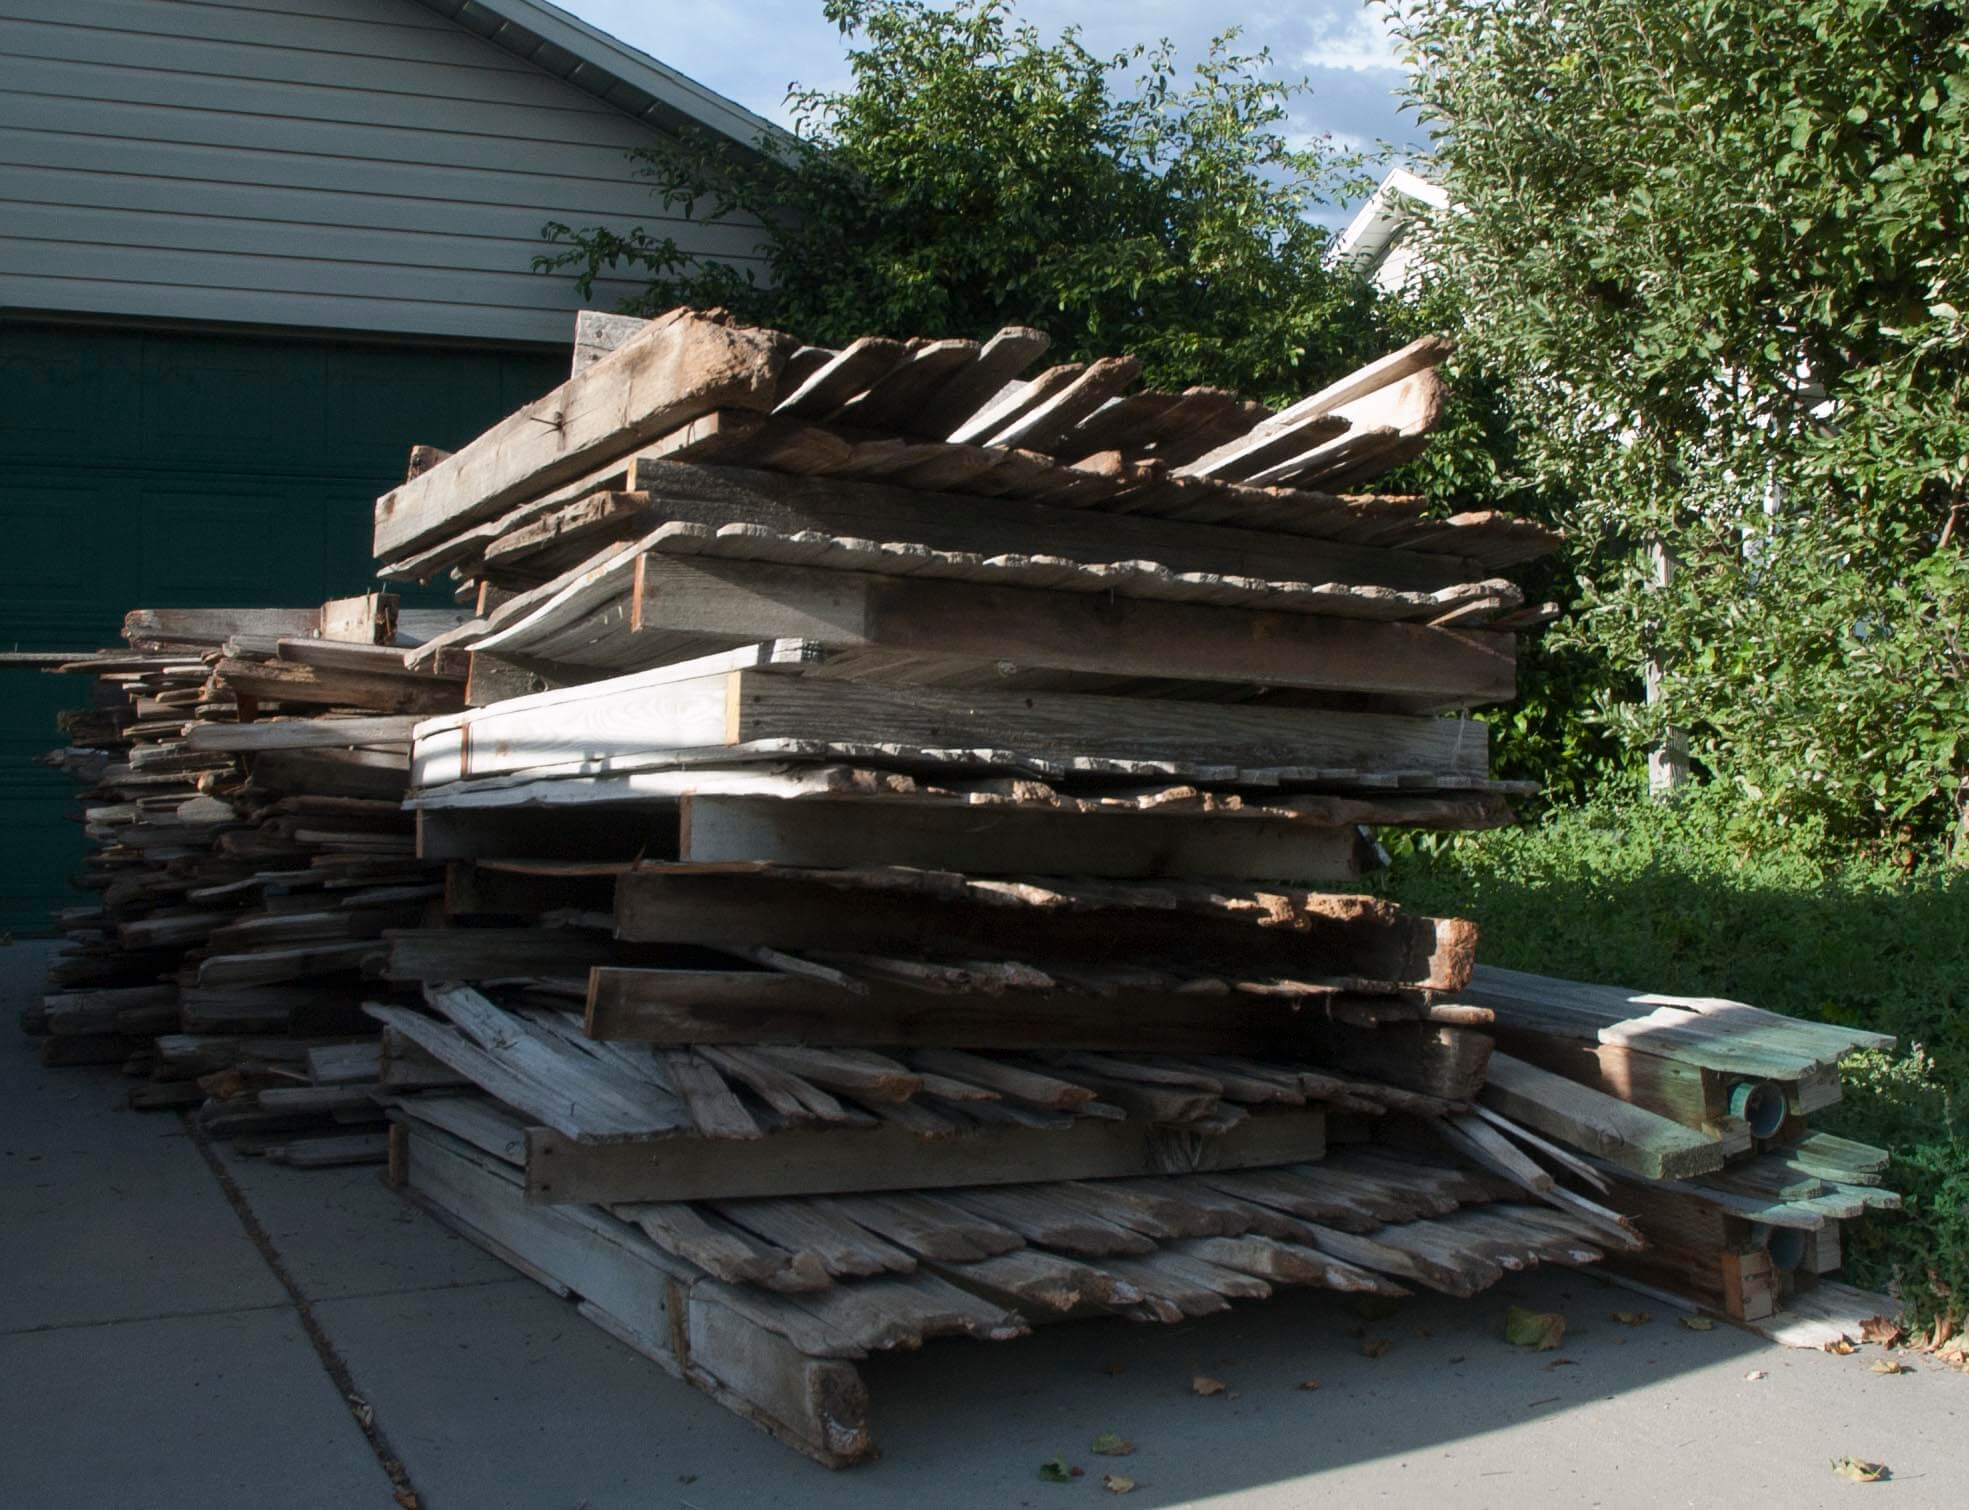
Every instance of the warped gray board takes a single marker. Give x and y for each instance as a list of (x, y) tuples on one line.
[(992, 526), (658, 709)]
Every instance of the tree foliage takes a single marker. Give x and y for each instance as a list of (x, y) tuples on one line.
[(1715, 251), (974, 175)]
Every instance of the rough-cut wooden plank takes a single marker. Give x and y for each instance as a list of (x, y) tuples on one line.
[(861, 363), (1037, 1214), (1418, 356), (1041, 1283), (841, 1072), (891, 1158), (931, 1228), (214, 626), (617, 720), (1046, 424), (722, 1250), (893, 401), (715, 495), (1726, 1036), (1600, 1124), (813, 1230), (1067, 632), (998, 362), (679, 366), (598, 332), (996, 841), (334, 686), (303, 734), (714, 1110), (1014, 400)]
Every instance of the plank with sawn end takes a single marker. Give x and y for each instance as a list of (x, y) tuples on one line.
[(678, 366), (1601, 1124)]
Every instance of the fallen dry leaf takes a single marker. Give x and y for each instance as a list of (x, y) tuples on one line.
[(1890, 1366), (1698, 1323), (1375, 1348), (1631, 1318), (1859, 1470), (1109, 1445), (1757, 1373), (1561, 1363), (406, 1499), (1116, 1483), (1880, 1329), (1542, 1331), (1308, 1384), (1842, 1347), (1203, 1384)]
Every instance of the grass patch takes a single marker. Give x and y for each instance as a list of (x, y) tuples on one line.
[(1688, 899)]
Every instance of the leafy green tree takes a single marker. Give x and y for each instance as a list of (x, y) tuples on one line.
[(1715, 250), (974, 175)]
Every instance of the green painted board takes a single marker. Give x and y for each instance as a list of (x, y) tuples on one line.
[(143, 468)]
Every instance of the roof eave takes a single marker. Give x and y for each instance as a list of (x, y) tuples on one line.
[(608, 68)]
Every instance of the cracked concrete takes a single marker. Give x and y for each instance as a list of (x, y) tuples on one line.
[(161, 1347)]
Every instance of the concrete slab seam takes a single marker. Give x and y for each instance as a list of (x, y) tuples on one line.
[(360, 1411)]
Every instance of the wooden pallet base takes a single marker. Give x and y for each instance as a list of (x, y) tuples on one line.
[(628, 1287)]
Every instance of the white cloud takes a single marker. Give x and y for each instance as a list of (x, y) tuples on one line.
[(1358, 42)]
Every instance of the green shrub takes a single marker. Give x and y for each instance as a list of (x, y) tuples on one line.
[(1692, 898)]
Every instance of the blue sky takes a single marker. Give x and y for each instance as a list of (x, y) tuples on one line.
[(752, 50)]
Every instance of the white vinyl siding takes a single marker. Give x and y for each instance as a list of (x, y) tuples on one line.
[(353, 165)]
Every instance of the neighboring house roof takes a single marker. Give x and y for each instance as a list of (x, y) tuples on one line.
[(607, 67), (1373, 240)]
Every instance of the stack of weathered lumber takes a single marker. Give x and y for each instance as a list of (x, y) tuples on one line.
[(242, 773), (883, 848), (1692, 1114)]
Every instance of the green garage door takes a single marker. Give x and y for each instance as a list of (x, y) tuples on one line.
[(158, 470)]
